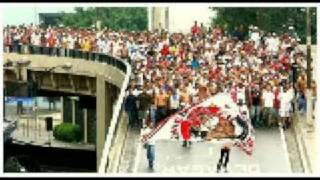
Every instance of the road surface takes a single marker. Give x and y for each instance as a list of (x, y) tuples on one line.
[(270, 156)]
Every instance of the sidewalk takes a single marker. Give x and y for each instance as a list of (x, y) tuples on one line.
[(307, 142), (34, 133), (129, 154)]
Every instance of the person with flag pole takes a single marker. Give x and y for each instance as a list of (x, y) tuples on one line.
[(185, 128), (224, 157)]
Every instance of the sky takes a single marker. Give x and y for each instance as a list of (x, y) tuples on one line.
[(181, 17), (15, 15)]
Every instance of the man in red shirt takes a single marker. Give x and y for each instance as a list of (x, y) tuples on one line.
[(185, 132), (8, 41), (165, 50), (51, 44), (195, 30)]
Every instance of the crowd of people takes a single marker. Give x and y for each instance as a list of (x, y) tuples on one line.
[(264, 72)]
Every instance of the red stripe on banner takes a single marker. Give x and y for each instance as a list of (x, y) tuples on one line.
[(162, 123)]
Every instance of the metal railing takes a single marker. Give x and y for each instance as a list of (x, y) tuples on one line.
[(90, 56)]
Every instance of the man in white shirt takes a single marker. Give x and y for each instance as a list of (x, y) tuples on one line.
[(100, 44), (274, 43), (244, 111), (71, 43), (285, 98), (150, 145), (255, 36), (241, 93), (35, 42), (174, 102), (268, 108)]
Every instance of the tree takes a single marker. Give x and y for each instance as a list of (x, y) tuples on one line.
[(116, 18), (268, 19)]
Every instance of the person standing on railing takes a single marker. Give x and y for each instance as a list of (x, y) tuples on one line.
[(130, 106), (35, 42), (7, 40), (64, 46), (16, 41), (60, 50), (70, 45), (25, 40), (43, 42), (86, 47), (52, 44)]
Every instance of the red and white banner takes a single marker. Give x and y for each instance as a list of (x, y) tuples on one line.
[(215, 120)]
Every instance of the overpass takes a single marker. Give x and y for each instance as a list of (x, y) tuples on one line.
[(102, 77), (8, 128)]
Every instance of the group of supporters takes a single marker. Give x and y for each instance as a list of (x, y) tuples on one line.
[(264, 73)]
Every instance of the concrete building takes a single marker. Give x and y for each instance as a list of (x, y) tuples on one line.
[(51, 19), (179, 18)]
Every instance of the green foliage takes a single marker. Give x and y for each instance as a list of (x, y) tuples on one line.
[(116, 18), (12, 165), (268, 19), (67, 132)]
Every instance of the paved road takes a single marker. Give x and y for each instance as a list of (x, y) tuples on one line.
[(270, 156)]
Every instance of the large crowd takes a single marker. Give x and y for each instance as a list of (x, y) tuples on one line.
[(264, 72)]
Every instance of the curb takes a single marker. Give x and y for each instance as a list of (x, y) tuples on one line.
[(284, 143), (116, 151), (301, 144)]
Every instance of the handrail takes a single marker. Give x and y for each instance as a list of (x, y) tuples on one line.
[(116, 113), (125, 67)]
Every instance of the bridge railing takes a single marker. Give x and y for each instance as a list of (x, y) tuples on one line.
[(90, 56)]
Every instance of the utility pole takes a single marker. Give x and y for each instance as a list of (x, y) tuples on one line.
[(167, 19), (150, 10), (35, 109), (309, 77), (98, 21)]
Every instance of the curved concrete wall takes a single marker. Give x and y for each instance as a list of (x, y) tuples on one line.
[(79, 67)]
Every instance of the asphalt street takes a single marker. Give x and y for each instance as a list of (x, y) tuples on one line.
[(270, 156)]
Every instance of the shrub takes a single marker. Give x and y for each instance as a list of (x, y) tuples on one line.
[(67, 132)]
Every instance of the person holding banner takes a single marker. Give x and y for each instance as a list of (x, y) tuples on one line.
[(185, 131), (150, 146), (224, 157)]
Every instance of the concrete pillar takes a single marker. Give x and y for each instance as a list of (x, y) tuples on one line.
[(73, 101), (109, 101), (150, 18), (62, 107), (101, 116), (85, 125), (157, 18), (167, 18), (310, 120)]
